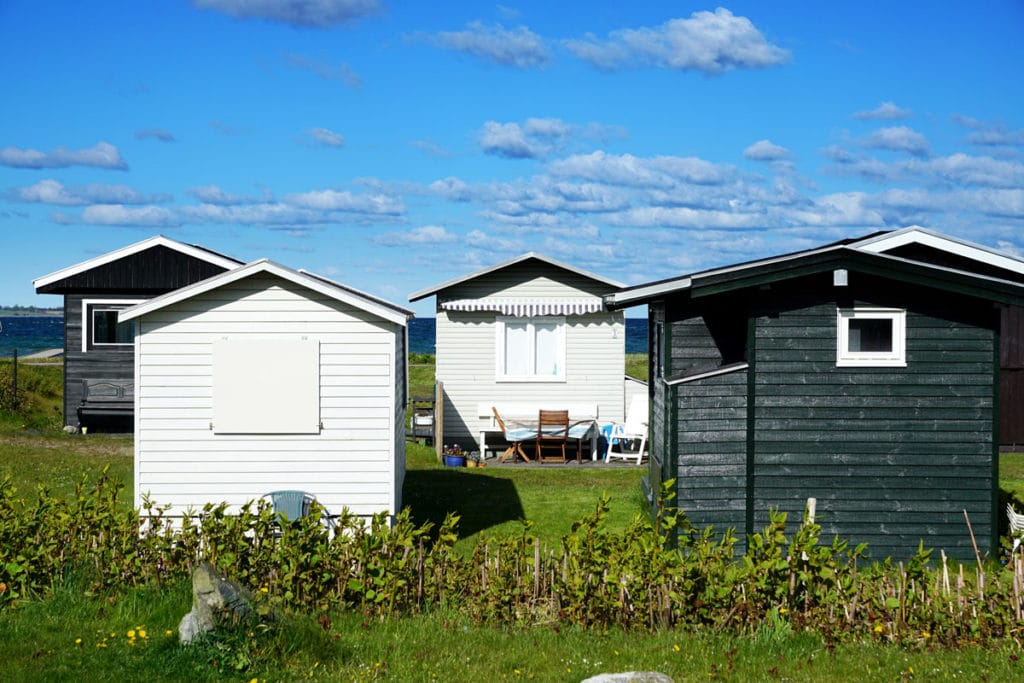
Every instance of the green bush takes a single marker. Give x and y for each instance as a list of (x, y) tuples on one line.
[(647, 576)]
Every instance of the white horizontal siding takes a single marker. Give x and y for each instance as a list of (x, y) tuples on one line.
[(180, 461), (466, 345)]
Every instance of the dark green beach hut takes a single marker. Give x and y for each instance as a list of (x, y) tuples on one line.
[(867, 381)]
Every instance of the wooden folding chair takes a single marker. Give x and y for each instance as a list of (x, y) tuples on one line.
[(552, 432)]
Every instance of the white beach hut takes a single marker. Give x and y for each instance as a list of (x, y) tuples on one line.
[(528, 333), (265, 378)]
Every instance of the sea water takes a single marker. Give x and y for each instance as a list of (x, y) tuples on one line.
[(29, 334)]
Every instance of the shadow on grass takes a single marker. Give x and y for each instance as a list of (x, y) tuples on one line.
[(480, 501)]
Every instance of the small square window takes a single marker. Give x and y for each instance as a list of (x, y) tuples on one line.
[(871, 337)]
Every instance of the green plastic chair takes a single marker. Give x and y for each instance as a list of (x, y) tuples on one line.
[(293, 505)]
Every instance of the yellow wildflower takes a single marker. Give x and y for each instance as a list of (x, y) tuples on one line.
[(168, 632), (142, 633), (926, 635), (131, 633), (878, 629), (78, 641), (783, 610), (676, 647)]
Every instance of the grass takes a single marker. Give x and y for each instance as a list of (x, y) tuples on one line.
[(1011, 475), (40, 636), (494, 500), (75, 636)]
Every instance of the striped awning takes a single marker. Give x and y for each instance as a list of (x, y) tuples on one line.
[(521, 307)]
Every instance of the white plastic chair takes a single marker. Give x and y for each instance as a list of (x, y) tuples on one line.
[(1016, 525), (633, 429)]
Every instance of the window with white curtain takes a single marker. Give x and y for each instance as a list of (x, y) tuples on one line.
[(531, 349)]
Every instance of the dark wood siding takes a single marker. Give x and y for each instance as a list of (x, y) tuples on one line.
[(1011, 398), (115, 364), (712, 457), (893, 455), (141, 276), (658, 438), (155, 270)]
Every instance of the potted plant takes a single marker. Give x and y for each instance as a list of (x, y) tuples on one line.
[(454, 456)]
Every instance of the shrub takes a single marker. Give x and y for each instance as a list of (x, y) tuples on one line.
[(638, 578)]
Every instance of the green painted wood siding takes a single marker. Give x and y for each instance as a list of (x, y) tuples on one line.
[(712, 451), (891, 454)]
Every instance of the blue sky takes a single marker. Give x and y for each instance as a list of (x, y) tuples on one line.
[(395, 145)]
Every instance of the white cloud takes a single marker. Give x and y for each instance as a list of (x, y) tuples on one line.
[(212, 194), (345, 201), (326, 137), (155, 134), (100, 155), (54, 192), (509, 140), (897, 139), (632, 171), (994, 134), (424, 235), (120, 215), (431, 149), (711, 42), (342, 73), (256, 214), (886, 111), (519, 47), (766, 150), (299, 13), (547, 128)]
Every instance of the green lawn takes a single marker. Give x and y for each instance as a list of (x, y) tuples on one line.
[(493, 500), (1011, 475), (74, 635)]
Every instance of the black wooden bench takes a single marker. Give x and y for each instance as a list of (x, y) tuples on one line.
[(104, 398)]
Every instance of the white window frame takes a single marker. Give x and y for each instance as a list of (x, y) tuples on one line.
[(499, 356), (87, 327), (871, 359)]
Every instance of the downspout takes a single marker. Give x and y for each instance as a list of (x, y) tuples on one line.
[(996, 416), (751, 432)]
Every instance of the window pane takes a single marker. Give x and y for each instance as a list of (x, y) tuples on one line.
[(547, 348), (106, 329), (517, 349), (871, 335)]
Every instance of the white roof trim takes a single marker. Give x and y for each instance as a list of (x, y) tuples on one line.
[(527, 307), (423, 293), (724, 370), (390, 312), (157, 240), (915, 235)]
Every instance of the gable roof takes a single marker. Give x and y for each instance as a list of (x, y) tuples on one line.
[(334, 290), (839, 255), (887, 241), (430, 291), (193, 250)]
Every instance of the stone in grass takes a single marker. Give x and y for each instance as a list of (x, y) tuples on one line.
[(215, 598), (630, 677)]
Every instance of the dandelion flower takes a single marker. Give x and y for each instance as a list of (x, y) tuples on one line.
[(78, 641), (142, 633), (676, 647), (878, 629), (131, 633), (783, 610), (168, 632)]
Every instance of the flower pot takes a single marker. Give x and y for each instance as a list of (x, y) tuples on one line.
[(454, 461)]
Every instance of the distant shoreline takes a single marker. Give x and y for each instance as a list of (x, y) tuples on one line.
[(32, 312)]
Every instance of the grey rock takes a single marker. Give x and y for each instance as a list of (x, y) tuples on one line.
[(70, 429), (630, 677), (215, 598)]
